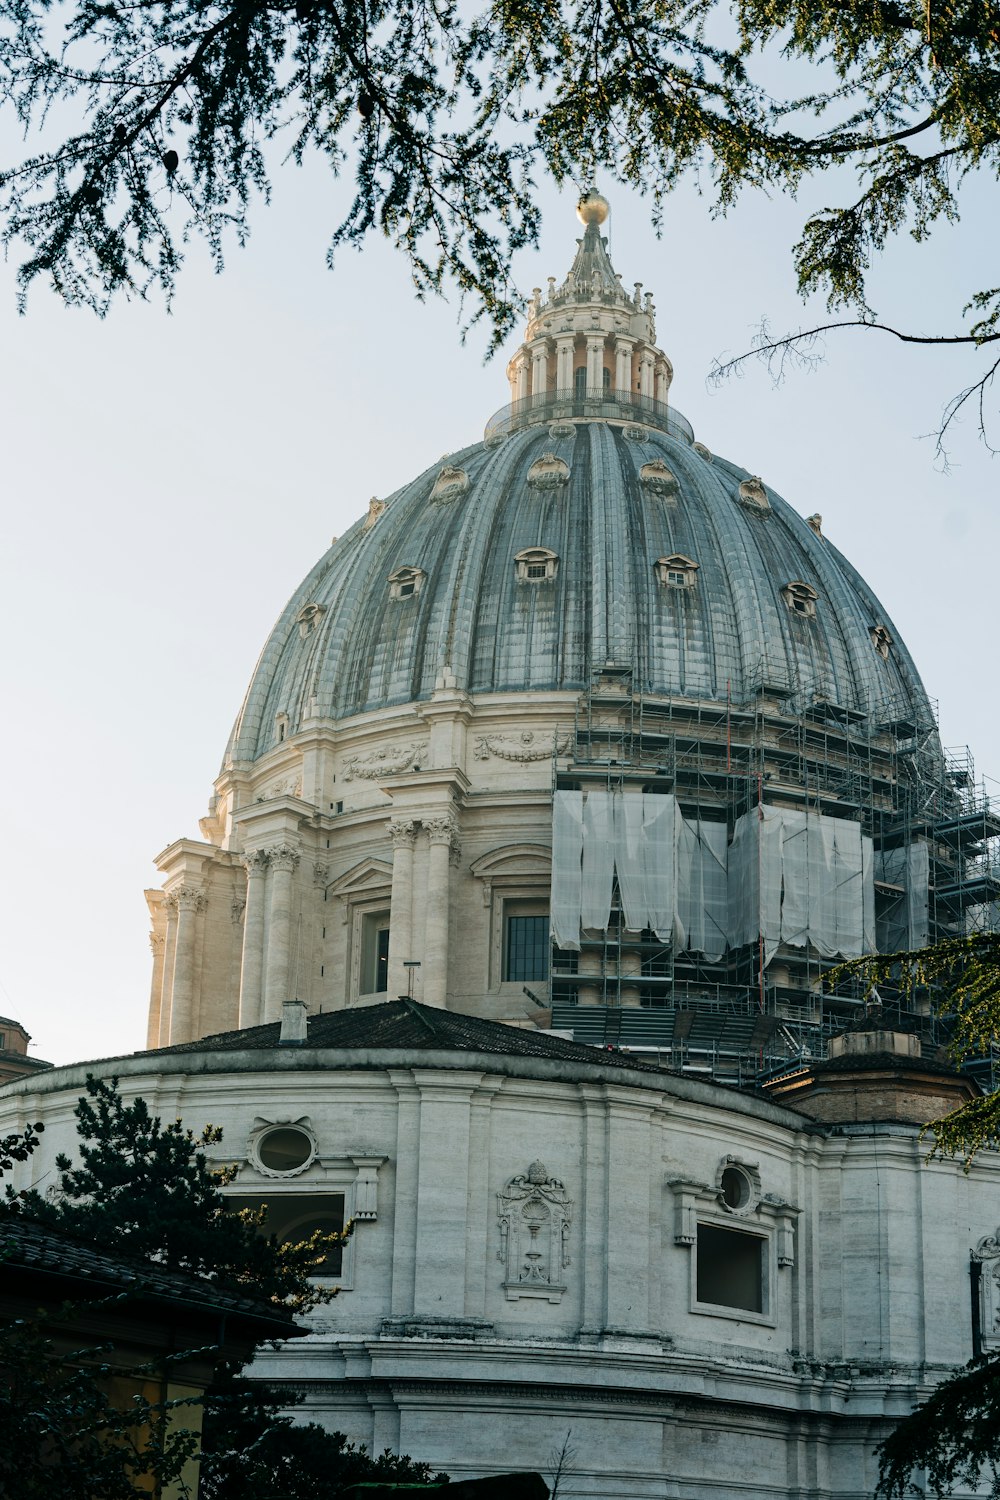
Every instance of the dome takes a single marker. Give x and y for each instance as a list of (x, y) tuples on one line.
[(770, 602)]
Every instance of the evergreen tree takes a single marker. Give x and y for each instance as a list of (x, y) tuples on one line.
[(443, 114)]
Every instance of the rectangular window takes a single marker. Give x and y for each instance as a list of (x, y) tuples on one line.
[(731, 1268), (295, 1216), (375, 953), (526, 948)]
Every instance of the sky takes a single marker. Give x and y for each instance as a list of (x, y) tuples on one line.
[(168, 479)]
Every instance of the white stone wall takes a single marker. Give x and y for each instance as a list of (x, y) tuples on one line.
[(428, 1352)]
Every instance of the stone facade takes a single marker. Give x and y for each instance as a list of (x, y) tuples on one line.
[(546, 1246)]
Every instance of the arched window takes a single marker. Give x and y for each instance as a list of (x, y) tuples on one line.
[(580, 382), (606, 378), (536, 565)]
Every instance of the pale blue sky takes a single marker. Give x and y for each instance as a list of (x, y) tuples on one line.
[(169, 479)]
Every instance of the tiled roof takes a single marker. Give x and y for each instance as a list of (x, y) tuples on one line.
[(406, 1024), (26, 1245)]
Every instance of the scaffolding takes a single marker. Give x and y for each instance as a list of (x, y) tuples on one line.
[(933, 828)]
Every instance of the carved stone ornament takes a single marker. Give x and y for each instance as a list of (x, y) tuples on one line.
[(451, 484), (561, 429), (535, 1216), (403, 833), (529, 745), (376, 508), (442, 830), (263, 1127), (548, 473), (187, 898), (385, 762), (753, 494), (287, 786), (283, 857), (658, 479), (236, 909), (321, 872), (255, 861), (495, 440), (702, 451), (987, 1252)]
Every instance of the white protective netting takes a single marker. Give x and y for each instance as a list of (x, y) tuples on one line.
[(790, 875), (906, 923)]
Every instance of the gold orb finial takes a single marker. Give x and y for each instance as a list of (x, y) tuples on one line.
[(593, 207)]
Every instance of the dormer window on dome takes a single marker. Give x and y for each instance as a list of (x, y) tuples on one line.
[(881, 640), (753, 494), (309, 617), (406, 583), (548, 473), (657, 479), (676, 571), (536, 565), (800, 598), (451, 484)]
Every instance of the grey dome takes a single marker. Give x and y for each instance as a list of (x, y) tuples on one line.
[(355, 648)]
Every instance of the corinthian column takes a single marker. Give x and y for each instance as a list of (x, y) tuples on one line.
[(403, 834), (442, 833), (188, 901), (279, 931), (252, 966)]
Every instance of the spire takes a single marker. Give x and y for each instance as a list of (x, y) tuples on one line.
[(590, 339)]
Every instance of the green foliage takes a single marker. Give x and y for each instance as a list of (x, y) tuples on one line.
[(441, 115), (148, 1189), (18, 1146), (251, 1451), (954, 1436), (81, 1445), (964, 975)]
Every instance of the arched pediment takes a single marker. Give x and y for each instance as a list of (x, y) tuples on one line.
[(514, 861)]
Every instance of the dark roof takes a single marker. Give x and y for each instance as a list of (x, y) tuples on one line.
[(406, 1024), (880, 1062), (26, 1245)]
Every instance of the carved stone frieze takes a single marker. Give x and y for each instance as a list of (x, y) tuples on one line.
[(529, 745), (385, 761), (288, 786), (535, 1216)]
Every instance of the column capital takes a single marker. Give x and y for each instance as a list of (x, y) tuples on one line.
[(442, 830), (283, 857), (155, 942), (187, 898), (254, 861), (403, 832)]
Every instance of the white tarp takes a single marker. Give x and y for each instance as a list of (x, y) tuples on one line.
[(567, 885), (906, 922), (702, 898), (798, 877)]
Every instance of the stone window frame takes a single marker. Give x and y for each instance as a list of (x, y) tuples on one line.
[(365, 890), (529, 560), (309, 617), (800, 597), (764, 1216), (676, 571), (406, 582), (352, 1175), (515, 874)]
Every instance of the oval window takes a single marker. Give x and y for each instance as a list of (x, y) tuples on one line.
[(285, 1149), (736, 1190)]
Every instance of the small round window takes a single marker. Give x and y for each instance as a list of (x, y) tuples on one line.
[(736, 1188), (285, 1149)]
